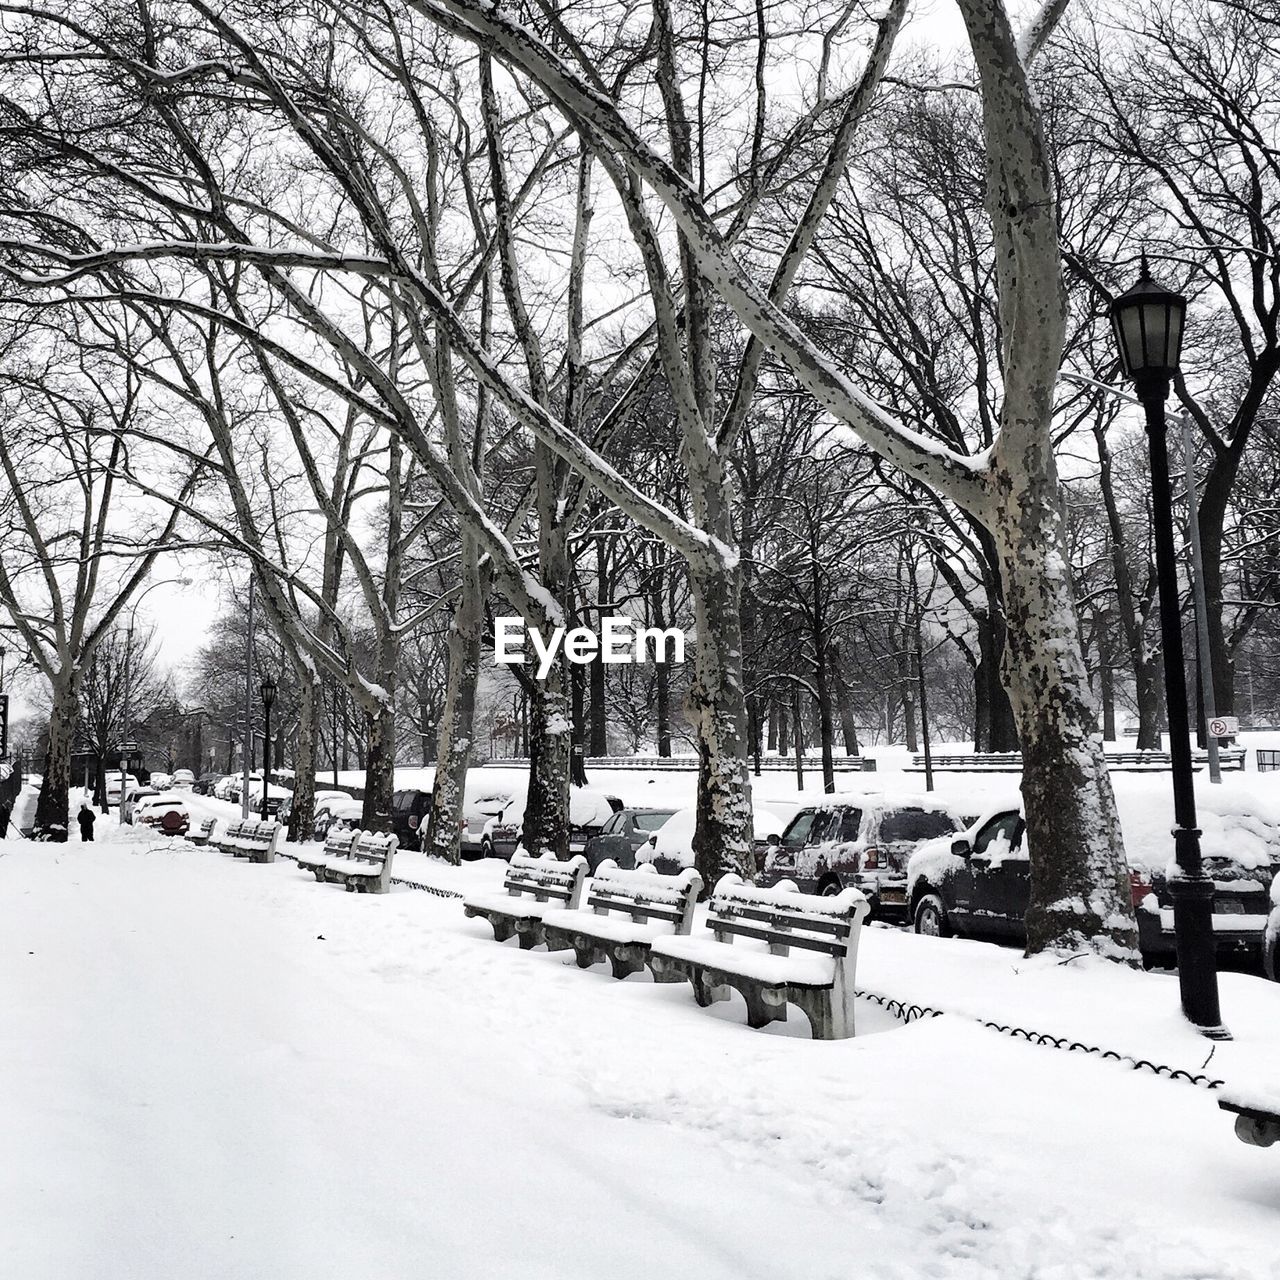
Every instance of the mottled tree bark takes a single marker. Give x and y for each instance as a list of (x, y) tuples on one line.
[(53, 803)]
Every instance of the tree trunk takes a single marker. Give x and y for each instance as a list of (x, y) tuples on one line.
[(599, 724), (302, 813), (457, 720), (379, 769), (1080, 897), (546, 810), (722, 841), (53, 803), (1106, 682), (844, 705), (906, 692)]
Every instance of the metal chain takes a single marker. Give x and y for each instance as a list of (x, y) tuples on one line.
[(911, 1012), (408, 884)]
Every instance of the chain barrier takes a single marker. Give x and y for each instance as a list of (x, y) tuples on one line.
[(911, 1012), (417, 885), (906, 1012)]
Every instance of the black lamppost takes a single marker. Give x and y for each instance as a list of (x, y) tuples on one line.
[(1147, 321), (268, 688)]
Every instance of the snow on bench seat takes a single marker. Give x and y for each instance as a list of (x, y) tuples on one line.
[(751, 963), (358, 860), (775, 946), (532, 887), (249, 839), (316, 860), (625, 912)]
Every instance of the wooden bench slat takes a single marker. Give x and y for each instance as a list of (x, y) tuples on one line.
[(725, 925)]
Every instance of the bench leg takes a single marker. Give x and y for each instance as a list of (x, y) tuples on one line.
[(624, 962), (824, 1024), (530, 936), (586, 953), (706, 992), (765, 1005)]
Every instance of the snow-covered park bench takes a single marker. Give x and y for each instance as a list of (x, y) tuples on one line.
[(360, 860), (777, 947), (201, 835), (1257, 1114), (532, 887), (337, 844), (253, 840), (625, 912)]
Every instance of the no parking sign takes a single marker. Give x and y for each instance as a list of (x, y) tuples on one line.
[(1224, 726)]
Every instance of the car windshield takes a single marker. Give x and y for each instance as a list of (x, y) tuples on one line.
[(650, 821), (809, 827), (916, 824)]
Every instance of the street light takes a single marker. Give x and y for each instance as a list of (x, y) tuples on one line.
[(268, 690), (1148, 322)]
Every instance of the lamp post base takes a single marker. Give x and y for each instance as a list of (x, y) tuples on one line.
[(1192, 894)]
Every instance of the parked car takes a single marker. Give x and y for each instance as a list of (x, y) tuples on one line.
[(160, 781), (860, 840), (132, 796), (979, 883), (337, 813), (117, 784), (409, 811), (164, 812), (670, 848), (275, 796), (623, 834), (475, 817), (205, 783), (1271, 936), (589, 810), (222, 788), (184, 779)]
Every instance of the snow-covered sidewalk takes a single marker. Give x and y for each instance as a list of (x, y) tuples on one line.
[(213, 1069)]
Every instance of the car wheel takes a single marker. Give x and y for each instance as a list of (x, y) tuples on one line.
[(1271, 959), (931, 917), (830, 887), (486, 848)]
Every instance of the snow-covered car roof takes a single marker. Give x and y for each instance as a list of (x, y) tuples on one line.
[(588, 807), (161, 802), (342, 808), (675, 836), (875, 799)]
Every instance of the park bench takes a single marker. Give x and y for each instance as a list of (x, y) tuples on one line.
[(531, 887), (253, 840), (203, 833), (1257, 1117), (625, 912), (775, 946), (337, 844), (359, 860)]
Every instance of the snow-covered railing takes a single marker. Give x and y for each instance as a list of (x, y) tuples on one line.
[(689, 764)]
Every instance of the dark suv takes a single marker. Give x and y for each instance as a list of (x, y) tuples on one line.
[(980, 883), (409, 811), (861, 841)]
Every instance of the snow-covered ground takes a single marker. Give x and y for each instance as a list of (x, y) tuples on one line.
[(216, 1069)]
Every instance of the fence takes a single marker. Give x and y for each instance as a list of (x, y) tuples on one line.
[(1268, 761)]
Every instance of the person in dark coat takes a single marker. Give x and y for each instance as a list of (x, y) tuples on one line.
[(86, 820)]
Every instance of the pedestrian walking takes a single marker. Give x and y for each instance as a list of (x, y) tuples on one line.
[(86, 819)]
